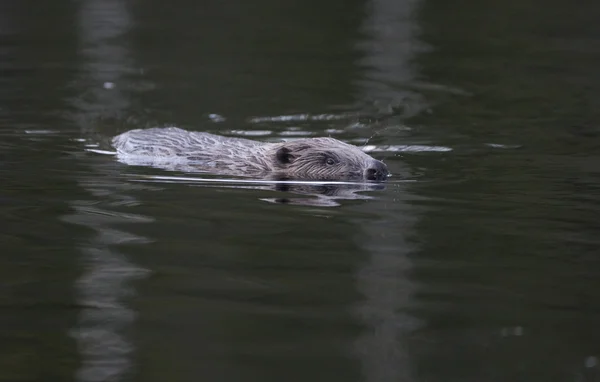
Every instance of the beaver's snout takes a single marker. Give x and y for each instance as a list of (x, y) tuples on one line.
[(377, 171)]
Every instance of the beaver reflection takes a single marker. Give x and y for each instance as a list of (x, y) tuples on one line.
[(322, 195)]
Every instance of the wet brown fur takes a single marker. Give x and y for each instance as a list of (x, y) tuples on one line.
[(308, 158)]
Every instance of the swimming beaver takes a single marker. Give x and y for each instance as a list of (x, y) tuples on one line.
[(308, 158)]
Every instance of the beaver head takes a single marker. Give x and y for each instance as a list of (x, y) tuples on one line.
[(327, 159)]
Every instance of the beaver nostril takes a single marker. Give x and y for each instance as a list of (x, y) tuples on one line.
[(371, 174), (377, 172)]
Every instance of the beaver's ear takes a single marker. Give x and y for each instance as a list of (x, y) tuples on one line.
[(284, 156)]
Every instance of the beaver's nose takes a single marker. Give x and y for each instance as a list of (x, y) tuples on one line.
[(377, 171)]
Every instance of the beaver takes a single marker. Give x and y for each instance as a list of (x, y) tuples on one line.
[(301, 159)]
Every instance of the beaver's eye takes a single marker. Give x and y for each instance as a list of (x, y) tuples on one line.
[(330, 161)]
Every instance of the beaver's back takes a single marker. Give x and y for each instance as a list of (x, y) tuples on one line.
[(191, 148), (173, 141)]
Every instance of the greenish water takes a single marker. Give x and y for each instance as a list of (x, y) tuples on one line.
[(478, 261)]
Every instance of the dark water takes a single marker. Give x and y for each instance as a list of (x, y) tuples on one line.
[(478, 261)]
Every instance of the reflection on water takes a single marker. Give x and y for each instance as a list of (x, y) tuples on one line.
[(388, 49), (323, 194), (105, 283)]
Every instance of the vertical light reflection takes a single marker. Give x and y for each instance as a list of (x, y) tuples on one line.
[(105, 283), (387, 290), (388, 51), (8, 27)]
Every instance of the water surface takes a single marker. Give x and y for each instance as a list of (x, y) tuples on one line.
[(477, 261)]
